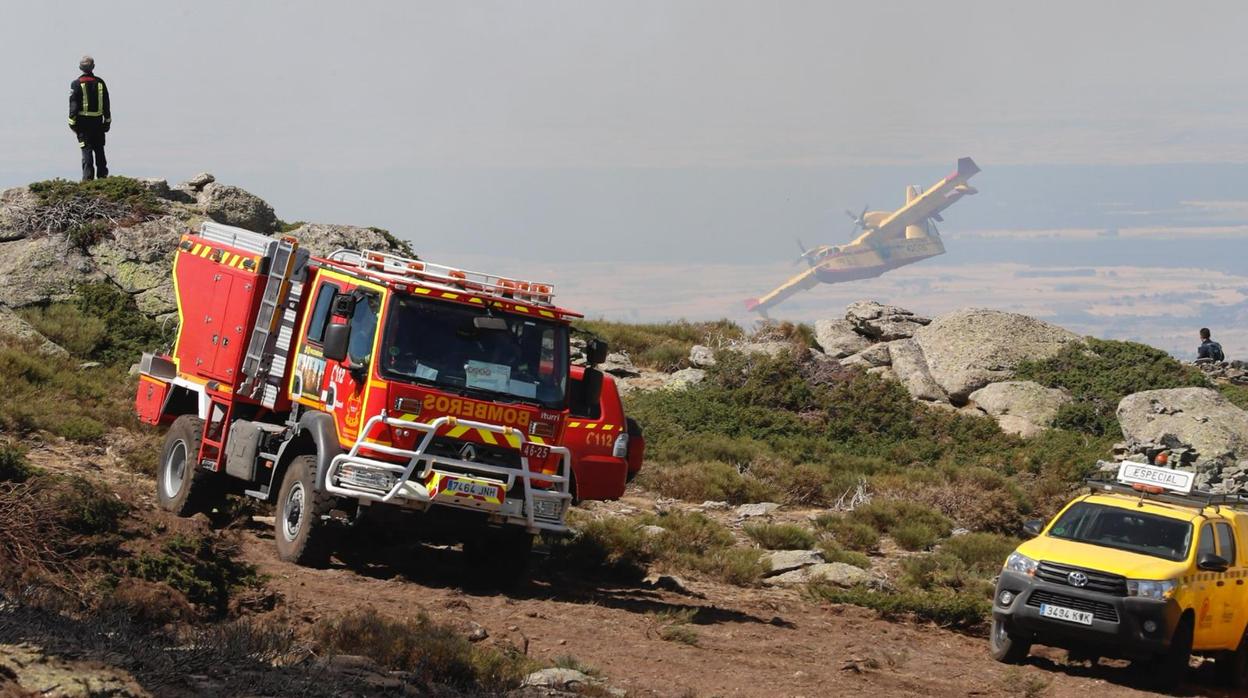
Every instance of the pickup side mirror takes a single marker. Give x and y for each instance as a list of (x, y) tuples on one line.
[(596, 352), (1213, 563), (337, 337), (1033, 527)]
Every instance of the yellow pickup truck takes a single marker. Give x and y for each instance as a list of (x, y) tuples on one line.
[(1142, 568)]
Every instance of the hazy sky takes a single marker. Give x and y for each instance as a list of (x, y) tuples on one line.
[(652, 131)]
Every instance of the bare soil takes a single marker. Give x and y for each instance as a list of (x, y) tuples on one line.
[(749, 642)]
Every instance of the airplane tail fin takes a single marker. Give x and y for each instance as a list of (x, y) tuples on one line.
[(913, 192), (967, 167)]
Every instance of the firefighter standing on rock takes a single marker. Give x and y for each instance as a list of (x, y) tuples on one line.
[(90, 118)]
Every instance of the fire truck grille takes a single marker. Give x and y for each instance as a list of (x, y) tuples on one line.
[(481, 453)]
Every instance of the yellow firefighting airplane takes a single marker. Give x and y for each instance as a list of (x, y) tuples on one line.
[(888, 240)]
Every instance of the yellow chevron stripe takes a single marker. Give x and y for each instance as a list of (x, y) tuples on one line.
[(196, 248), (457, 432), (537, 440), (421, 291), (513, 440), (408, 417), (488, 437), (591, 425), (521, 309), (450, 296), (546, 313), (474, 299), (574, 424)]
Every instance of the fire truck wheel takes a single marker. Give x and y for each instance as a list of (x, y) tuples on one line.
[(498, 557), (181, 487), (303, 533)]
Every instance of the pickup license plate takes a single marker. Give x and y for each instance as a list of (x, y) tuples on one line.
[(1067, 614), (473, 488)]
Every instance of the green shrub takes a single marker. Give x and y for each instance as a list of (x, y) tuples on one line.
[(661, 346), (854, 535), (13, 465), (699, 482), (1237, 394), (915, 535), (982, 553), (87, 508), (130, 332), (887, 515), (619, 546), (89, 234), (51, 393), (434, 653), (203, 568), (68, 326), (780, 536), (1101, 373), (88, 211), (833, 552), (947, 608)]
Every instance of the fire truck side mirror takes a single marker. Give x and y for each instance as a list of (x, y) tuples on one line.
[(337, 337), (591, 389), (596, 352)]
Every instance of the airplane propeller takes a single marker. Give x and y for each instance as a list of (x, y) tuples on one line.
[(860, 220)]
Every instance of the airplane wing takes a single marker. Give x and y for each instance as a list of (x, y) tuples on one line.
[(929, 204), (801, 282)]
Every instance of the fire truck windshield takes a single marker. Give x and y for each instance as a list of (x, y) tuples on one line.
[(449, 346)]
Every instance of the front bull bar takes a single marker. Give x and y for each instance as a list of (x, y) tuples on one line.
[(416, 491)]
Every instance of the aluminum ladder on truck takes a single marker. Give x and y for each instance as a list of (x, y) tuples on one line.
[(285, 267)]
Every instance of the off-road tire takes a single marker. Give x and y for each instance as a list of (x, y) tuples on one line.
[(1232, 667), (634, 433), (301, 528), (1171, 667), (181, 486), (498, 557), (1004, 646)]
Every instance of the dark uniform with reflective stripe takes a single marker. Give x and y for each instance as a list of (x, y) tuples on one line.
[(90, 118)]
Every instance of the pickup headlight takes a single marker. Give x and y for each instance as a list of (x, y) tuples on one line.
[(1150, 588), (1022, 564)]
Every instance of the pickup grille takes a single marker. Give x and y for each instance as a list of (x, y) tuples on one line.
[(1100, 610), (1097, 581)]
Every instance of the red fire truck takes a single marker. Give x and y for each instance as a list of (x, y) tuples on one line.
[(335, 386)]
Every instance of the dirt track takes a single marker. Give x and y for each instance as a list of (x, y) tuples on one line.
[(751, 642)]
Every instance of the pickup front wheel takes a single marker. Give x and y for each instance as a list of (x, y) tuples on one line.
[(1232, 667), (301, 526), (1005, 647)]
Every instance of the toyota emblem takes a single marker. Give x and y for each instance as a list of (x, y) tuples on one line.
[(468, 452), (1077, 579)]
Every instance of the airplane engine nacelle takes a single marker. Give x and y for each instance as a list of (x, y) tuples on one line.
[(917, 232)]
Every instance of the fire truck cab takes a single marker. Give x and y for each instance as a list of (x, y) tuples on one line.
[(331, 385)]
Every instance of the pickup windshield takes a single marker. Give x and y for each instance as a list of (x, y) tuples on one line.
[(1125, 529), (466, 350)]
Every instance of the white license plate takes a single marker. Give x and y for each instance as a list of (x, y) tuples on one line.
[(472, 487), (1066, 614)]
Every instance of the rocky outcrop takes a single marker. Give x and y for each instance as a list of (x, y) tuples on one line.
[(1202, 430), (1020, 407), (38, 267), (235, 206), (839, 339), (910, 368), (13, 325), (837, 573), (969, 349), (883, 322)]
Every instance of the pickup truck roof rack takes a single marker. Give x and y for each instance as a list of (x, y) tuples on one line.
[(1196, 498)]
